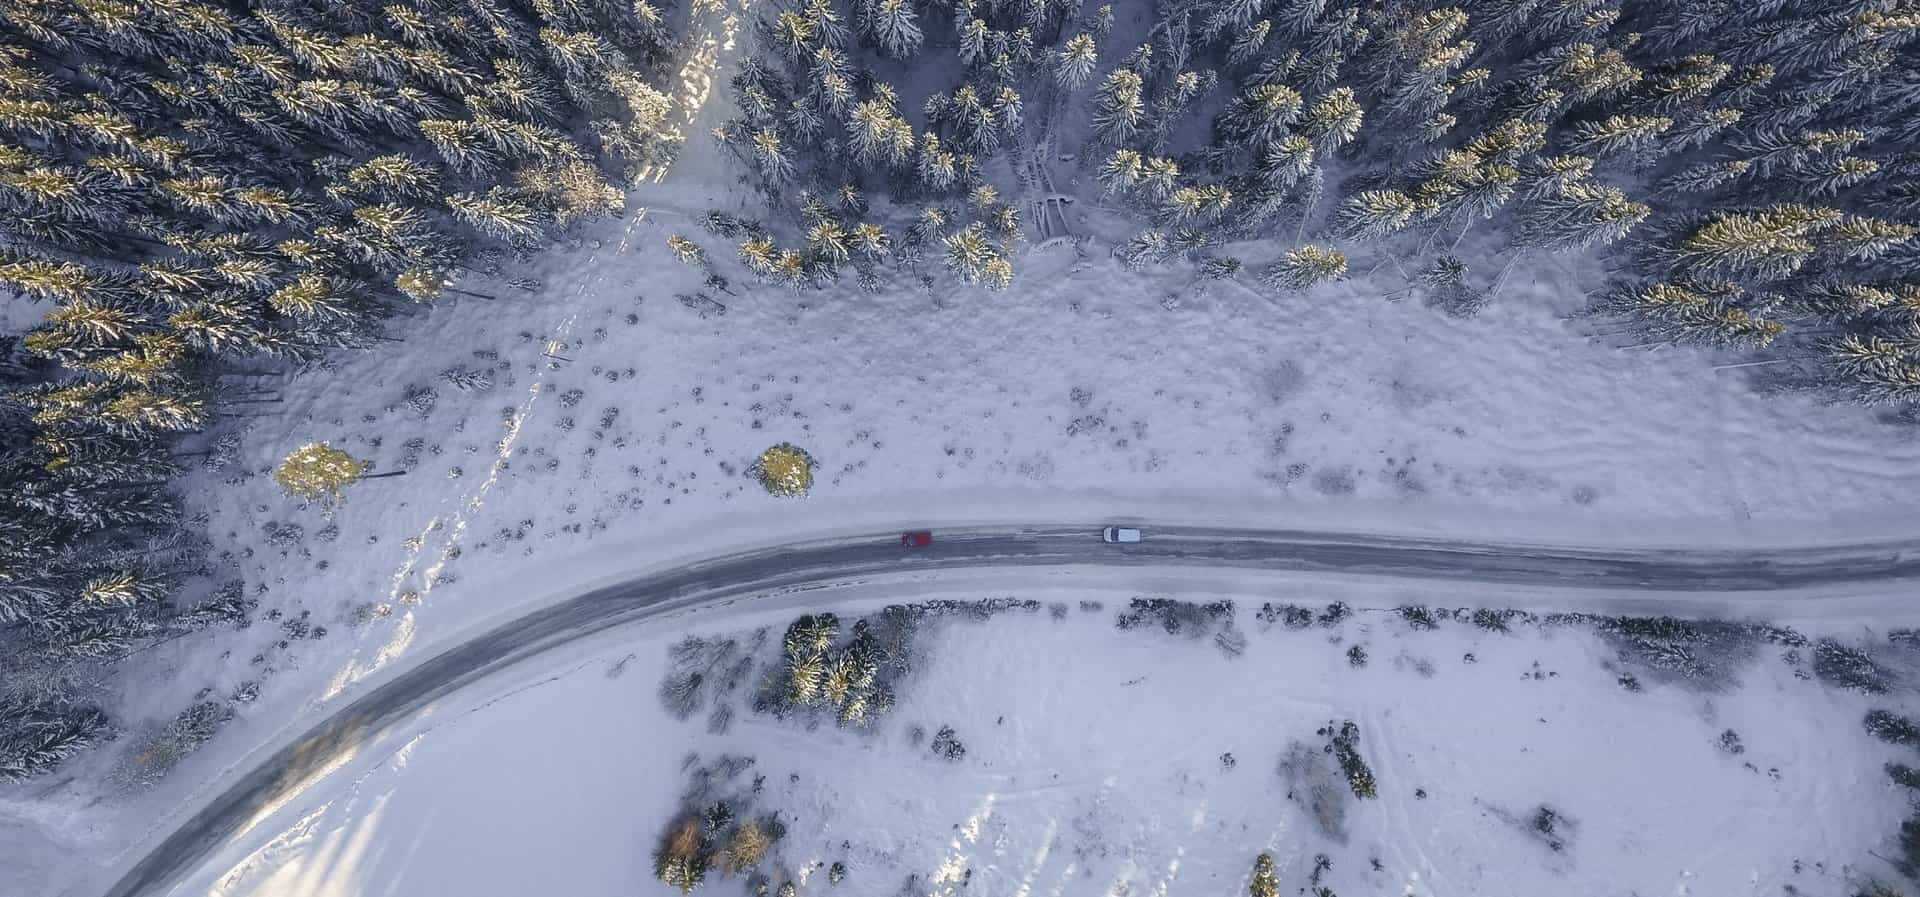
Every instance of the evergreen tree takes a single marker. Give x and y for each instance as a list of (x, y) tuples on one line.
[(318, 471), (1305, 267), (895, 28), (1265, 883), (1076, 62), (1677, 314), (37, 737), (1120, 106)]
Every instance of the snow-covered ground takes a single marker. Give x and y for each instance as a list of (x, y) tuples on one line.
[(614, 423), (1095, 765)]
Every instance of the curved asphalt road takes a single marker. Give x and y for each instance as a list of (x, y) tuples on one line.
[(818, 563)]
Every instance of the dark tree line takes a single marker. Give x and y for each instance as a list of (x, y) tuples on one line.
[(185, 183), (1749, 165)]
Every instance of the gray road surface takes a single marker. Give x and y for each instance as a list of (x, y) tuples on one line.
[(818, 563)]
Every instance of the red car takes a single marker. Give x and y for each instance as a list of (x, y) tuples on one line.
[(916, 539)]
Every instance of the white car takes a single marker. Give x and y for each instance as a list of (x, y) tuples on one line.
[(1120, 534)]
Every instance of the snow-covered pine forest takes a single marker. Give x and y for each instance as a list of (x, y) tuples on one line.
[(199, 192), (201, 196)]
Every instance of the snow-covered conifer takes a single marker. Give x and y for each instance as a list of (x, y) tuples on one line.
[(895, 28), (1076, 62), (1376, 213), (1305, 267), (1119, 107)]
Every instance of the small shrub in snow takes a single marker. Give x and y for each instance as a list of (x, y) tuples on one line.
[(1730, 742), (1322, 864), (1495, 620), (1313, 782), (1335, 614), (1230, 640), (465, 379), (1891, 727), (1845, 667), (1174, 616), (1219, 267), (1903, 775), (1549, 827), (702, 304), (1264, 883), (1357, 656), (681, 694), (1418, 617), (1293, 616), (421, 399), (947, 744), (837, 872), (283, 535), (410, 452)]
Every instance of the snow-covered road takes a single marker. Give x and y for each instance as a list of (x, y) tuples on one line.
[(1711, 574)]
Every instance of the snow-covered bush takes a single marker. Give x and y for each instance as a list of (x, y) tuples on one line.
[(156, 755), (1313, 782), (1293, 616), (1417, 616), (946, 744), (1844, 666), (1174, 616), (1892, 727)]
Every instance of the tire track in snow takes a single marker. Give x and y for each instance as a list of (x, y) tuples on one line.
[(821, 564)]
